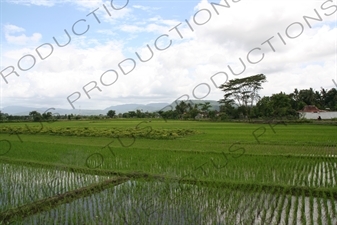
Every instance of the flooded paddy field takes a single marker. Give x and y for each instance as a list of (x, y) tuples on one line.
[(169, 203), (217, 175)]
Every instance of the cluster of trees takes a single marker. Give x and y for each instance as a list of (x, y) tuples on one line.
[(42, 117), (7, 117), (190, 110), (33, 115), (241, 100), (240, 97), (132, 114), (38, 117), (283, 104)]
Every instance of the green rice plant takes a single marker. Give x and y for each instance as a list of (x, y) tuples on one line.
[(311, 207), (316, 177), (330, 176), (333, 205), (321, 172), (295, 210), (251, 202), (274, 204), (281, 207), (288, 209), (23, 184), (263, 210), (268, 205), (244, 207), (283, 160), (327, 213), (154, 203), (303, 206), (319, 209)]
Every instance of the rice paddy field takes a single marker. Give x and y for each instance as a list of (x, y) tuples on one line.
[(133, 171)]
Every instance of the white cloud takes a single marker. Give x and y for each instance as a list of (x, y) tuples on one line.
[(131, 28), (14, 35), (306, 61), (155, 25), (23, 39), (145, 8), (9, 28)]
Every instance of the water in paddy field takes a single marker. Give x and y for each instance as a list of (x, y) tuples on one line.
[(21, 185), (323, 174), (174, 203), (171, 203)]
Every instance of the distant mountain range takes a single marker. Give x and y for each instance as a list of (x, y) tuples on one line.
[(152, 107)]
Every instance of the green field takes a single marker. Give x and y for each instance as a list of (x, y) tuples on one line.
[(167, 172)]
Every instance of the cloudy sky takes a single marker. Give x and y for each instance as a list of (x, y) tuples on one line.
[(122, 52)]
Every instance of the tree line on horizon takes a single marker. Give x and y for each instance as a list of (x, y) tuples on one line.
[(35, 116), (241, 101)]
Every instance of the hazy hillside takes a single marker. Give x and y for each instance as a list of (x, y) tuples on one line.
[(152, 107)]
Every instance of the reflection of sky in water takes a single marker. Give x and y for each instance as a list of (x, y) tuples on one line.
[(163, 203), (22, 185)]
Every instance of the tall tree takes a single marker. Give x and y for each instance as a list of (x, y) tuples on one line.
[(111, 113), (205, 107), (295, 101), (307, 96), (132, 114), (243, 92), (331, 99), (140, 113), (182, 108), (36, 116), (281, 105), (47, 116), (264, 107)]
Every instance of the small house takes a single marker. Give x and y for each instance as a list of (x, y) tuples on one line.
[(312, 112)]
